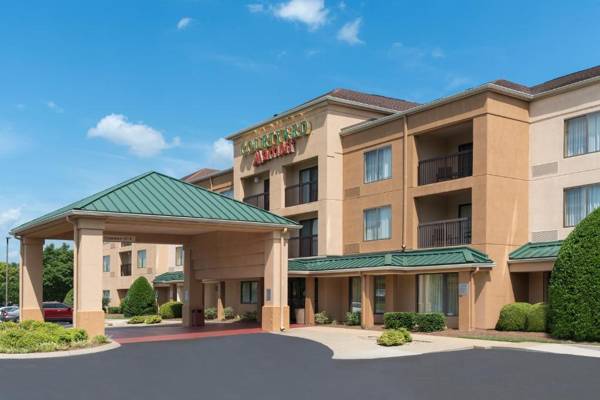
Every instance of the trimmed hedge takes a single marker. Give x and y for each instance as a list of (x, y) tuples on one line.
[(140, 299), (574, 290), (352, 318), (322, 318), (412, 321), (513, 317), (35, 336), (396, 320), (153, 319), (114, 310), (138, 319), (210, 313), (229, 313), (171, 309), (394, 337), (537, 317), (249, 316)]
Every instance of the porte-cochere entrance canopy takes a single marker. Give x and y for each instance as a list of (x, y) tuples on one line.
[(221, 237)]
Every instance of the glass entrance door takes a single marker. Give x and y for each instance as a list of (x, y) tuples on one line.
[(296, 294)]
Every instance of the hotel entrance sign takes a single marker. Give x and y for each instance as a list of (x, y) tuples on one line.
[(116, 238), (277, 143)]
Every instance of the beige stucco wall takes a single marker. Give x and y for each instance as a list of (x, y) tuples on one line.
[(547, 134)]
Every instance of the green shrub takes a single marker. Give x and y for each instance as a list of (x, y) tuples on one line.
[(140, 299), (513, 317), (430, 322), (352, 318), (100, 339), (249, 316), (210, 313), (394, 337), (171, 309), (229, 313), (35, 336), (114, 310), (396, 320), (138, 319), (322, 318), (537, 317), (153, 319), (69, 298), (574, 290)]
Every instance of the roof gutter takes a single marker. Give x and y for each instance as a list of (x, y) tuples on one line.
[(391, 268), (530, 260), (312, 103)]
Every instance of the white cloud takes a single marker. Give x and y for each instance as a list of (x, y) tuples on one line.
[(10, 216), (54, 107), (437, 53), (342, 5), (222, 151), (142, 140), (256, 8), (184, 23), (349, 32), (310, 12)]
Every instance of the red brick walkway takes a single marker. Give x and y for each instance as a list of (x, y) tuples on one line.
[(163, 333)]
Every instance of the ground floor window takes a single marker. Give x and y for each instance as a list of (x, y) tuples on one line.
[(249, 290), (106, 294), (438, 293), (355, 294), (379, 294)]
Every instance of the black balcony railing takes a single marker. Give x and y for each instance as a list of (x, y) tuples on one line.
[(258, 200), (301, 193), (125, 269), (305, 246), (445, 168), (452, 232)]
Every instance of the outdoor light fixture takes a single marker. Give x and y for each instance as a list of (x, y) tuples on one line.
[(256, 179)]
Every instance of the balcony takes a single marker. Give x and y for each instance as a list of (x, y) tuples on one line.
[(125, 269), (260, 200), (450, 232), (303, 246), (301, 193), (444, 168)]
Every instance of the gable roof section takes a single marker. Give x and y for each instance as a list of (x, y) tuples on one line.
[(536, 250), (401, 260), (373, 99), (155, 194), (199, 174), (169, 277)]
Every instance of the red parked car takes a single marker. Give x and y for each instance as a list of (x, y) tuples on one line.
[(55, 311)]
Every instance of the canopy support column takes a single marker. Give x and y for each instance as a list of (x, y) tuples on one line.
[(193, 291), (366, 316), (309, 301), (31, 286), (275, 311)]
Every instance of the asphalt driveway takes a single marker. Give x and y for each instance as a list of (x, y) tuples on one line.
[(270, 366)]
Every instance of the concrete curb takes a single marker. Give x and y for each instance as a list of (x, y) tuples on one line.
[(64, 353)]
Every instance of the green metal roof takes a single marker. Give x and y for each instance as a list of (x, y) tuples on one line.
[(536, 250), (156, 194), (169, 277), (402, 259)]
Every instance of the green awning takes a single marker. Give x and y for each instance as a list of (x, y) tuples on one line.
[(536, 250), (155, 194), (401, 260), (169, 277)]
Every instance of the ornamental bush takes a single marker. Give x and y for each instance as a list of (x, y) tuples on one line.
[(229, 313), (537, 317), (513, 317), (396, 320), (249, 316), (35, 336), (140, 299), (210, 313), (114, 310), (322, 318), (430, 322), (171, 309), (69, 298), (153, 319), (352, 318), (138, 319), (394, 337), (574, 290)]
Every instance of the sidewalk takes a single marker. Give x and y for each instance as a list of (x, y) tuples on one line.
[(348, 344)]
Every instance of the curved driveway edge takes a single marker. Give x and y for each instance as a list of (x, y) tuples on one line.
[(64, 353)]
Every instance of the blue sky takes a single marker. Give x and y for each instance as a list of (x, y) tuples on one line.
[(92, 93)]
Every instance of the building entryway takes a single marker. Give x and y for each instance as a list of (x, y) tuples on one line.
[(296, 299)]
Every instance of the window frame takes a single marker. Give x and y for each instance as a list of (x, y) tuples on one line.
[(365, 223), (253, 287), (587, 135), (138, 258), (377, 150), (375, 297), (444, 293), (587, 212), (177, 263)]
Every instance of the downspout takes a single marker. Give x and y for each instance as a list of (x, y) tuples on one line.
[(404, 180)]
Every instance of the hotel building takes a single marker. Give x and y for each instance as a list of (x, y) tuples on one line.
[(455, 206)]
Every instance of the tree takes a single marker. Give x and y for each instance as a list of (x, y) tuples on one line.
[(13, 283), (574, 290), (58, 272), (140, 299)]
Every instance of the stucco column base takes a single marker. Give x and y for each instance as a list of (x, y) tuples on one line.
[(91, 321), (271, 318), (33, 314)]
